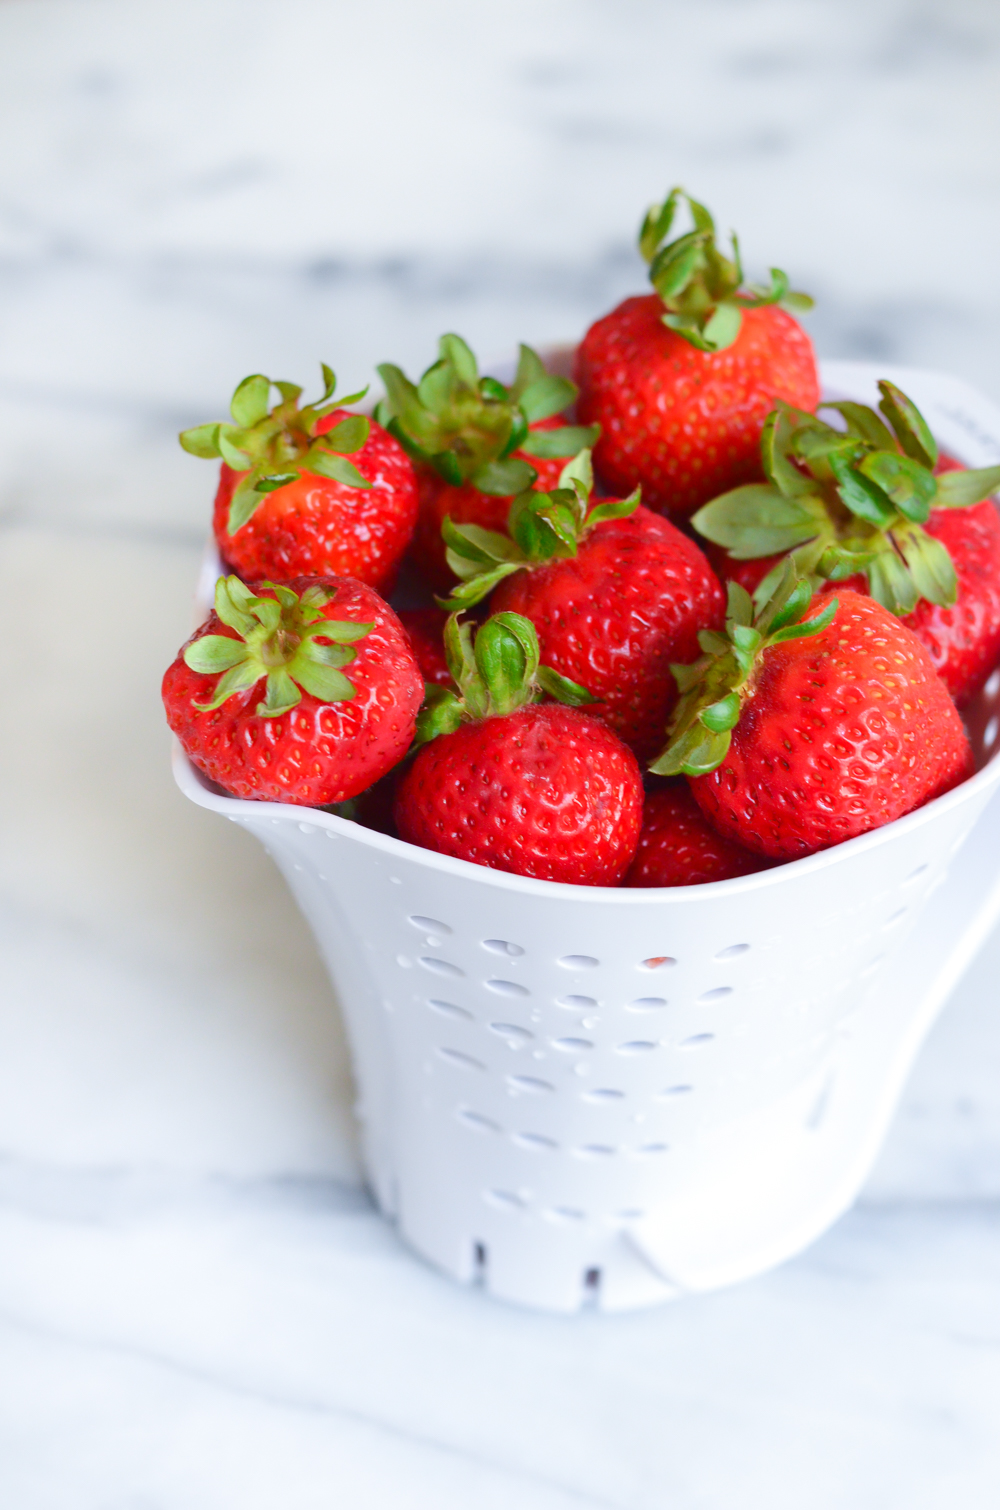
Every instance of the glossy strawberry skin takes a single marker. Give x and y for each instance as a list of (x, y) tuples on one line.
[(425, 630), (318, 752), (546, 791), (317, 527), (844, 731), (616, 615), (683, 424), (467, 505), (679, 847)]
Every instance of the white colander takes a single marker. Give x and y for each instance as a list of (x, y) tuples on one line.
[(577, 1095)]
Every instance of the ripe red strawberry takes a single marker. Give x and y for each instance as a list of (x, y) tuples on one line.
[(537, 789), (615, 592), (679, 847), (681, 381), (309, 734), (876, 509), (798, 734), (425, 632), (291, 504), (476, 443)]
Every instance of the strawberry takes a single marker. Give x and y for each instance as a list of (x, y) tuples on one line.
[(310, 735), (508, 782), (615, 592), (290, 503), (682, 380), (875, 508), (476, 443), (425, 630), (800, 733), (679, 847)]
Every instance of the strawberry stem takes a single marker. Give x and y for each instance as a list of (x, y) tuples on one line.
[(854, 499), (541, 527), (715, 688), (466, 426), (700, 288), (272, 447), (280, 638), (496, 673)]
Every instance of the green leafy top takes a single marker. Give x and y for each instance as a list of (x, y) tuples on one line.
[(497, 673), (279, 638), (466, 427), (849, 500), (699, 286), (541, 527), (271, 447), (714, 689)]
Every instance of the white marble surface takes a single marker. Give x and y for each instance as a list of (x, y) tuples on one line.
[(198, 1306)]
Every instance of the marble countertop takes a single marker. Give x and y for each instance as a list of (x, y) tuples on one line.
[(199, 1307)]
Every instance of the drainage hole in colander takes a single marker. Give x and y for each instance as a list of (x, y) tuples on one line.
[(652, 1148), (572, 1045), (657, 962), (459, 1060), (636, 1046), (449, 1009), (564, 1214), (504, 1200), (506, 988), (595, 1151), (674, 1090), (528, 1085), (733, 951), (603, 1093), (631, 1214), (591, 1287), (697, 1041), (576, 1003), (511, 1033), (503, 946), (716, 994), (427, 925), (477, 1122), (647, 1003), (533, 1142), (439, 966), (915, 875), (578, 962), (896, 916)]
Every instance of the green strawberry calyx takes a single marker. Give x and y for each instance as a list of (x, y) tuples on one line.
[(466, 426), (849, 500), (701, 289), (272, 447), (280, 638), (496, 673), (714, 690), (541, 527)]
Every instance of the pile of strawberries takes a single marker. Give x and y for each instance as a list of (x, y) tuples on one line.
[(687, 627)]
